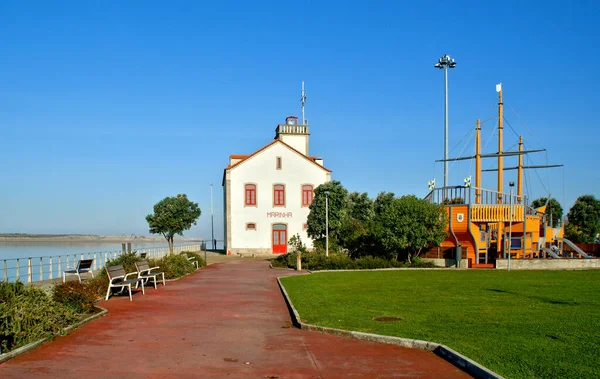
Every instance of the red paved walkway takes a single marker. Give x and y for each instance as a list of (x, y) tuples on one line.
[(228, 320)]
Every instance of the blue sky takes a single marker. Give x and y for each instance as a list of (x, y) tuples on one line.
[(108, 107)]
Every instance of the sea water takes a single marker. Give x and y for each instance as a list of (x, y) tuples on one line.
[(15, 257)]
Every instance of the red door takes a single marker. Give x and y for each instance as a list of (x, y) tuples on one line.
[(279, 238)]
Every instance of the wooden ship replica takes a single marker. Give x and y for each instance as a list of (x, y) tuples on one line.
[(486, 225)]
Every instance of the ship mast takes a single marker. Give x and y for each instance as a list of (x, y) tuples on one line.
[(520, 173), (478, 163), (500, 132)]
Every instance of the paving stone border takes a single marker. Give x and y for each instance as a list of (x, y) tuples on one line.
[(462, 362), (23, 349)]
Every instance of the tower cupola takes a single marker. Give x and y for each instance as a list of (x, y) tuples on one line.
[(293, 134)]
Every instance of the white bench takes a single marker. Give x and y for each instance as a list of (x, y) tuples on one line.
[(83, 266), (118, 278)]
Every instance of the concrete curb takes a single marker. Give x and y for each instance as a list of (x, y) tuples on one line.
[(462, 362), (23, 349), (389, 269)]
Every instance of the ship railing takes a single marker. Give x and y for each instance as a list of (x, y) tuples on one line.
[(472, 195), (37, 269)]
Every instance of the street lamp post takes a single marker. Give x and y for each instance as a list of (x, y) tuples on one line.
[(511, 184), (326, 224), (444, 63), (212, 221)]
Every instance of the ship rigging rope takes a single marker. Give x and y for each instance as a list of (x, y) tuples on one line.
[(489, 139), (538, 175), (524, 124), (463, 149), (459, 154), (467, 135), (563, 194), (511, 128)]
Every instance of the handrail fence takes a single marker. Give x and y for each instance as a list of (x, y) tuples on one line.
[(51, 267)]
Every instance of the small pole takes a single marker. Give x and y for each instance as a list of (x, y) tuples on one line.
[(212, 223), (303, 100), (326, 225), (511, 184)]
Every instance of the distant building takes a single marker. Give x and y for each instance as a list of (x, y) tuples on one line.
[(267, 193)]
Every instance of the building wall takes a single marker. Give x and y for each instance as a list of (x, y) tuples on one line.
[(261, 170), (298, 142)]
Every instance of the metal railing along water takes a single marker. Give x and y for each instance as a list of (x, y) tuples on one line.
[(37, 269)]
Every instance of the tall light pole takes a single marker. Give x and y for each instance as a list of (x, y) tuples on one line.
[(444, 63), (212, 219), (326, 224), (511, 184)]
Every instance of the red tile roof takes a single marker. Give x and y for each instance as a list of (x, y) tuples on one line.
[(246, 157)]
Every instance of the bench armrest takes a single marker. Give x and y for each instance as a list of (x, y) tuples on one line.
[(131, 273), (116, 277)]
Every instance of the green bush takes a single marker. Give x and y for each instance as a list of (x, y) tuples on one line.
[(174, 266), (126, 259), (339, 261), (98, 286), (80, 297), (198, 257), (28, 314)]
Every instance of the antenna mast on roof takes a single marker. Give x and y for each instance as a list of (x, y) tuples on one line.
[(303, 101)]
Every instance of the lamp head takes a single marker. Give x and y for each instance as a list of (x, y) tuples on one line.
[(511, 184)]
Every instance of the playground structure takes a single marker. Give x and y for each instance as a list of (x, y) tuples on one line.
[(485, 225)]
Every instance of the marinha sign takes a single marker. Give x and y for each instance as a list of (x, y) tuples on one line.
[(279, 214)]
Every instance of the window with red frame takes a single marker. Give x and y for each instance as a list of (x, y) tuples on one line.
[(250, 197), (307, 195), (279, 194)]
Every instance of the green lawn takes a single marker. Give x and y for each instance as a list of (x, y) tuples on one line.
[(521, 324)]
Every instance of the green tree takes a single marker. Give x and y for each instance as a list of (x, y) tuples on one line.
[(584, 220), (355, 229), (404, 226), (173, 215), (554, 209), (336, 198)]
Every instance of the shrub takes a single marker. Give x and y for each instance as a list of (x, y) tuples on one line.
[(28, 314), (80, 297), (341, 261), (98, 286), (174, 266), (198, 257), (126, 259)]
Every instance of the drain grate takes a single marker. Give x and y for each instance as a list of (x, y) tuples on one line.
[(387, 318)]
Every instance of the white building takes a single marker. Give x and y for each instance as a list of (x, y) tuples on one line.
[(267, 193)]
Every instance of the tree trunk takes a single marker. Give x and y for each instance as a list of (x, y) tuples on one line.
[(170, 241)]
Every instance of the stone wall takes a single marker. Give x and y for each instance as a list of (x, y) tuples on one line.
[(255, 251), (443, 262), (548, 264)]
